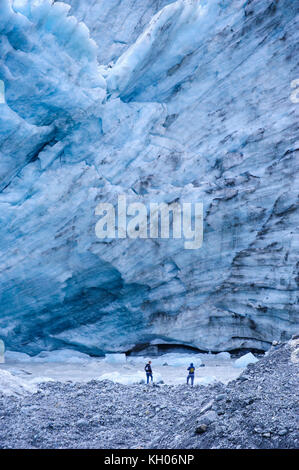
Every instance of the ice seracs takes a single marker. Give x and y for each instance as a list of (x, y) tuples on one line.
[(195, 106)]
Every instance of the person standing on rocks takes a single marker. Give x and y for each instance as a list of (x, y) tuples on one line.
[(191, 370), (149, 372)]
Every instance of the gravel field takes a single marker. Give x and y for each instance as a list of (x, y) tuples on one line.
[(259, 409)]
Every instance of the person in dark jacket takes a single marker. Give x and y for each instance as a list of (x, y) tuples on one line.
[(191, 370), (149, 372)]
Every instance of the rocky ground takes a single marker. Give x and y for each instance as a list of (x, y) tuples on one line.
[(258, 410)]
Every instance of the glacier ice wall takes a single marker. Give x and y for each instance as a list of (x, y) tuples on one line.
[(161, 101)]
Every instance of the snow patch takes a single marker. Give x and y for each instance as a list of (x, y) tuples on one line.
[(130, 379), (223, 355), (243, 361), (10, 385), (205, 380)]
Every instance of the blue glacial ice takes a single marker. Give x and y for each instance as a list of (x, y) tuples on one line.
[(160, 101)]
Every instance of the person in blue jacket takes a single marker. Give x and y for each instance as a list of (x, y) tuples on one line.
[(149, 372), (191, 370)]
